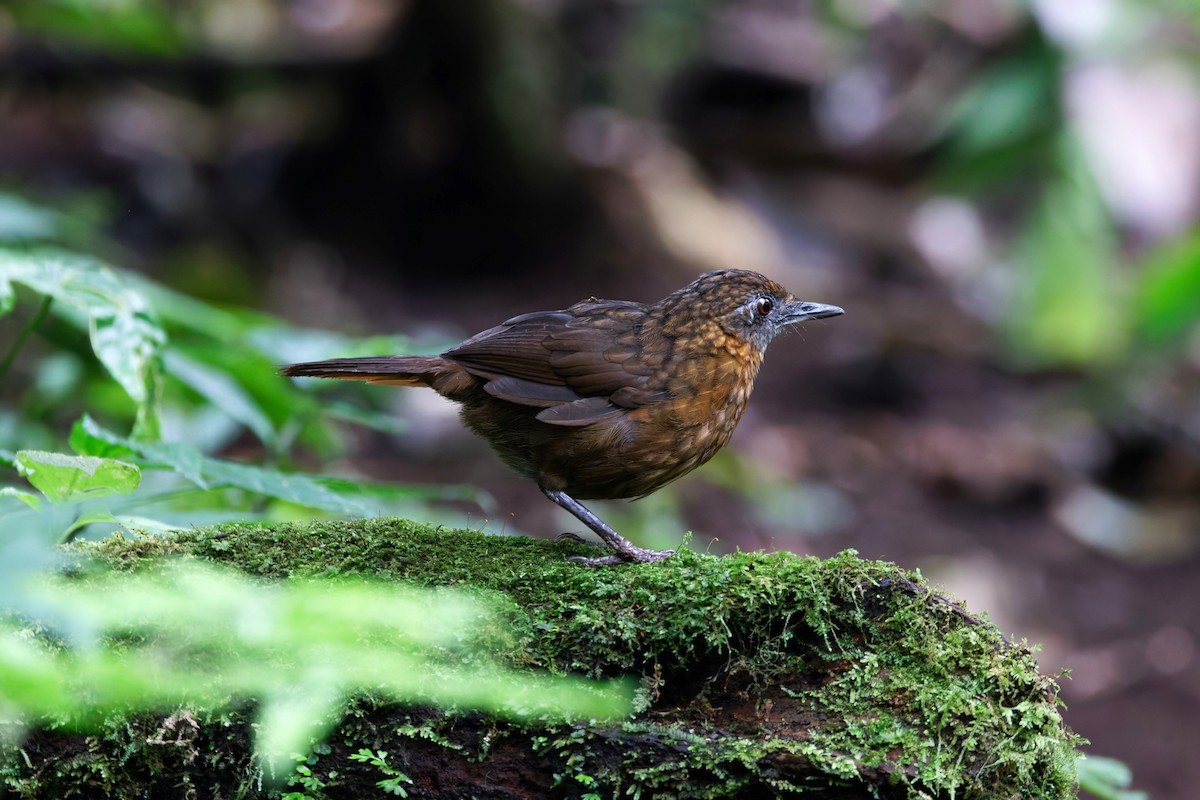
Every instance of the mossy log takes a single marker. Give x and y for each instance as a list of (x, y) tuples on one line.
[(762, 675)]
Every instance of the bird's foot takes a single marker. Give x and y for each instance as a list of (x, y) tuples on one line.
[(623, 549), (571, 537), (636, 555)]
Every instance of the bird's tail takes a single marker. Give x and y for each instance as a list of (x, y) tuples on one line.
[(446, 377)]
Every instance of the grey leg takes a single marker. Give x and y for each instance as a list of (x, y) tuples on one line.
[(625, 549)]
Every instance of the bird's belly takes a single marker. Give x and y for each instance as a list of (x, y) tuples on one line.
[(630, 454), (644, 450)]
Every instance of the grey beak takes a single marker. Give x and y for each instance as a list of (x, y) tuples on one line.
[(800, 310)]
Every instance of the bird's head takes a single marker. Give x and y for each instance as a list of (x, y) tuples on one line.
[(745, 305)]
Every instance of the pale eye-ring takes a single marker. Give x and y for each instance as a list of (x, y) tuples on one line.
[(765, 306)]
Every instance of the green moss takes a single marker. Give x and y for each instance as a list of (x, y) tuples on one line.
[(760, 672)]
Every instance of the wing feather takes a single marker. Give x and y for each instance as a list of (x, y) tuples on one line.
[(581, 412), (579, 365), (515, 348)]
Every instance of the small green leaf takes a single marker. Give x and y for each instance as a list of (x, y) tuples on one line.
[(1003, 125), (1066, 310), (124, 334), (135, 27), (212, 472), (64, 478), (222, 391), (1169, 294), (21, 220), (1106, 778), (28, 498), (89, 439), (96, 516), (300, 489), (126, 341)]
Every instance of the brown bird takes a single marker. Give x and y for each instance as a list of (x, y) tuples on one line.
[(606, 399)]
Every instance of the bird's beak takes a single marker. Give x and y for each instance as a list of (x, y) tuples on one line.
[(800, 310)]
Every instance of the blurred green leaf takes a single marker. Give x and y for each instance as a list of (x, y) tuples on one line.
[(88, 437), (278, 342), (382, 421), (127, 343), (190, 314), (1067, 308), (1106, 778), (92, 516), (1168, 300), (291, 720), (8, 297), (201, 333), (28, 498), (124, 333), (399, 492), (301, 489), (221, 390), (65, 478), (22, 221), (143, 26), (1005, 123), (1008, 102), (197, 636), (251, 379)]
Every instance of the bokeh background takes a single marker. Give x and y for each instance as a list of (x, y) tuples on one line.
[(1002, 194)]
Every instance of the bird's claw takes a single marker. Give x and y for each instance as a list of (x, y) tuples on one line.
[(636, 555)]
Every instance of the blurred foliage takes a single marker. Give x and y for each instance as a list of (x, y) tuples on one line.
[(124, 335), (1004, 125), (188, 635), (1076, 299), (170, 356), (136, 26), (1107, 779), (1067, 305), (1168, 298)]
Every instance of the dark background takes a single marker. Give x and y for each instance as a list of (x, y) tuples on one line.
[(993, 194)]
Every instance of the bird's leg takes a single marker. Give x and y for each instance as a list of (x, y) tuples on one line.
[(625, 549)]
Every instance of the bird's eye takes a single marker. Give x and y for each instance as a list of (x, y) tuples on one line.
[(765, 306)]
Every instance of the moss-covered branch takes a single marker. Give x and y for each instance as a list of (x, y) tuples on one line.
[(761, 675)]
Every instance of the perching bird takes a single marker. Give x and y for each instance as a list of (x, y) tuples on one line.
[(606, 399)]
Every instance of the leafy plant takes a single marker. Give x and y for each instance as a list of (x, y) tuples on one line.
[(395, 780), (78, 646), (304, 777), (170, 358)]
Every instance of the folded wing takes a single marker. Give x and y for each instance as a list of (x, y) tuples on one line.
[(579, 365)]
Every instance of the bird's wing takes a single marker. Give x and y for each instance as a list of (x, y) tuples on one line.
[(515, 349), (580, 365)]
